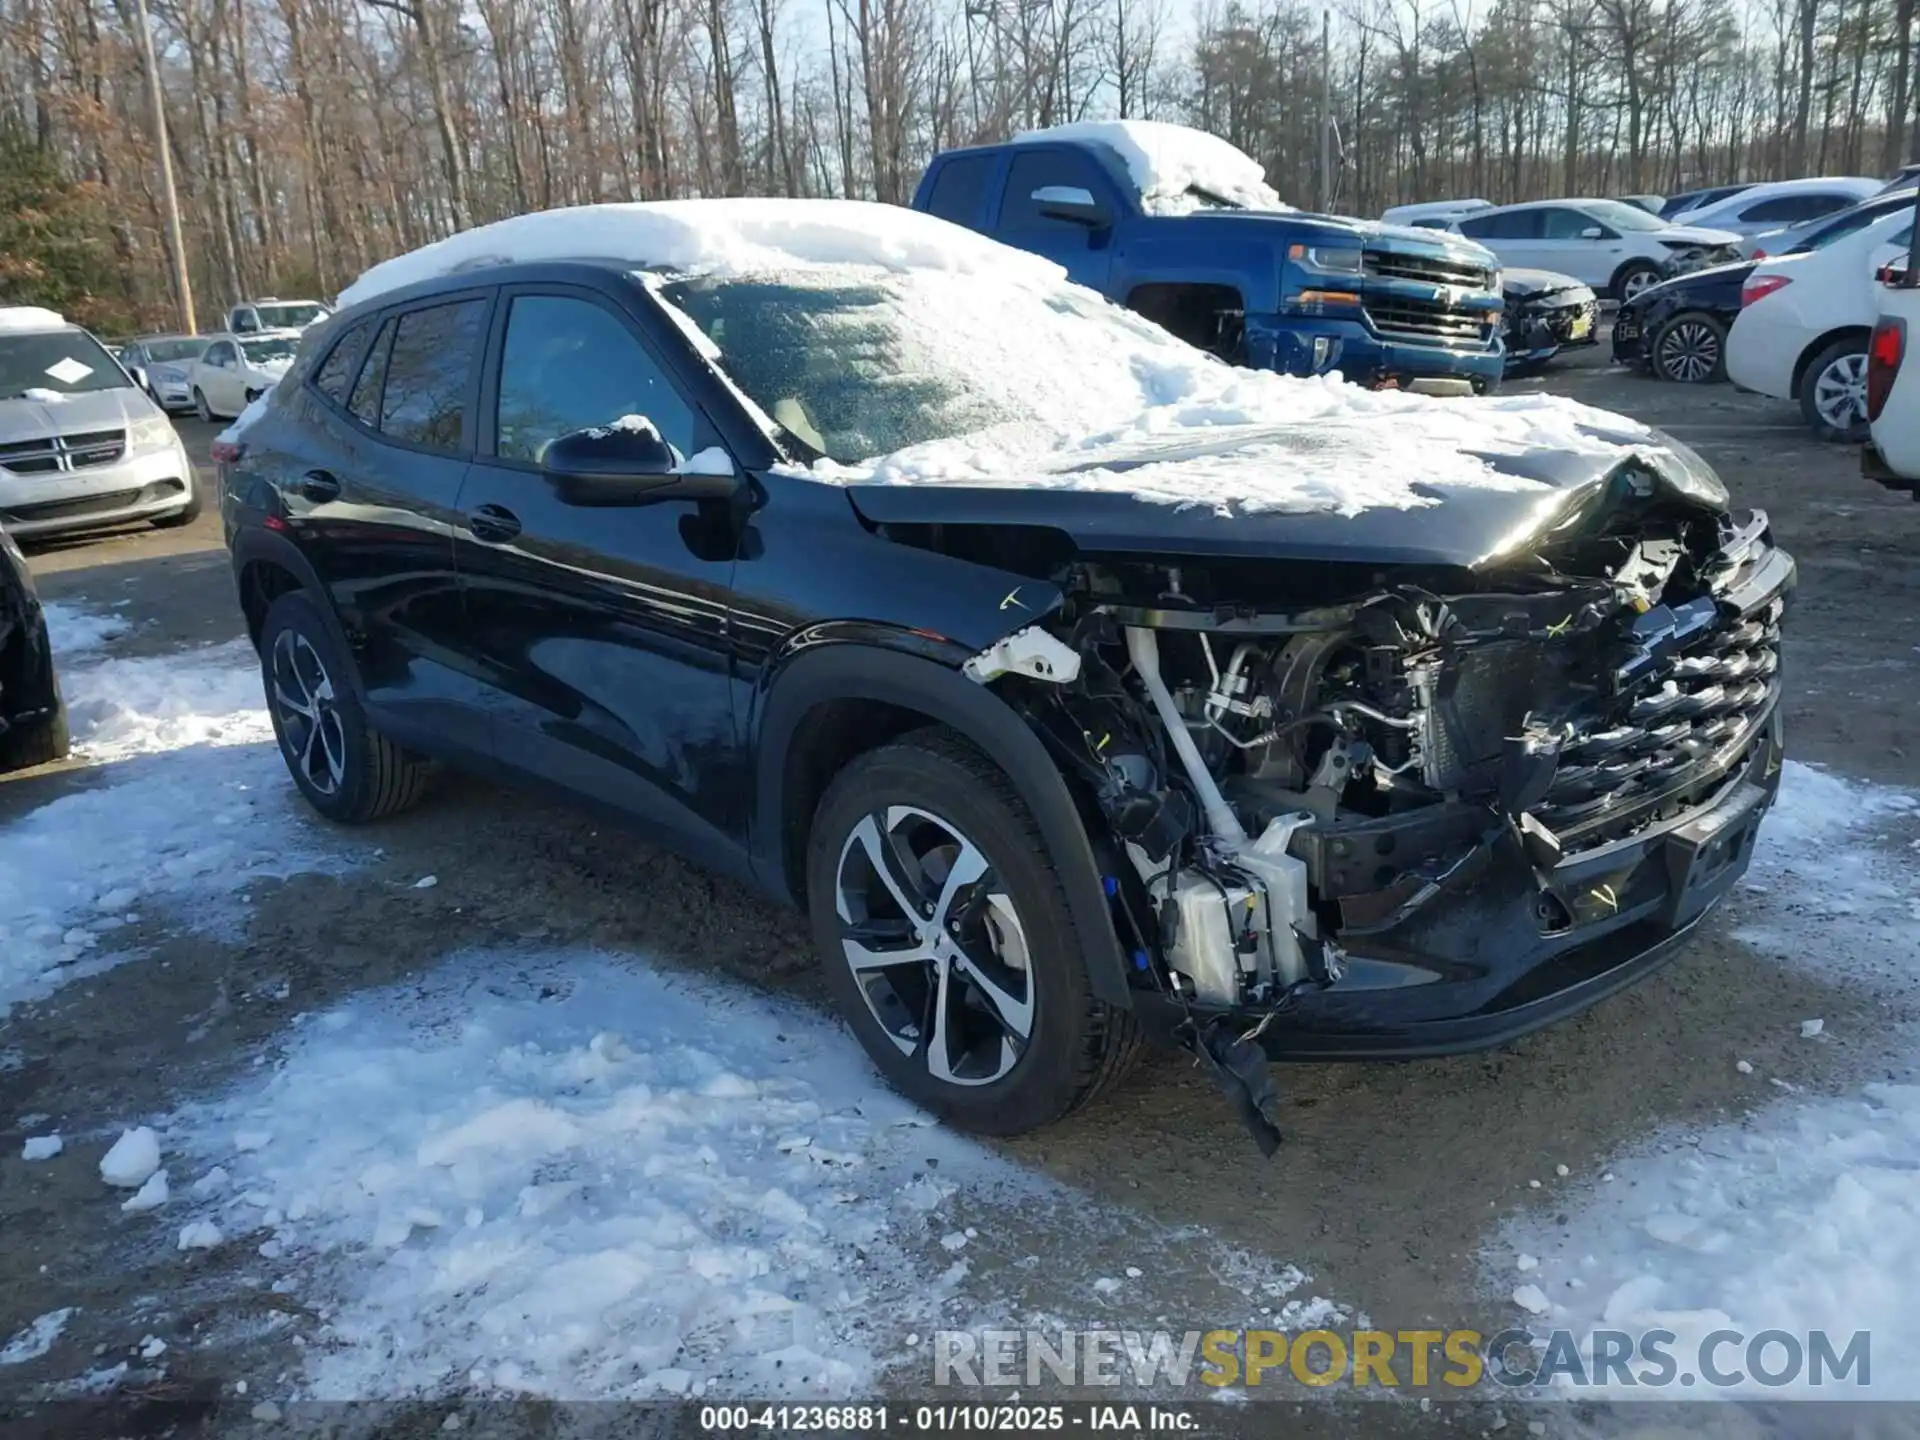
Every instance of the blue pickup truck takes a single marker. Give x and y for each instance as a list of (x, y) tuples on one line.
[(1181, 227)]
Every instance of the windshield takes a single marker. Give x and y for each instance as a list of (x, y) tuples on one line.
[(1624, 217), (857, 363), (64, 362), (185, 348), (289, 317), (262, 352)]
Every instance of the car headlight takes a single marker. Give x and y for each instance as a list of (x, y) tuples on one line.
[(1326, 259), (155, 432)]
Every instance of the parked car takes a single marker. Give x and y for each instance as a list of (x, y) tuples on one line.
[(251, 317), (1617, 249), (1688, 200), (1183, 228), (1761, 209), (1649, 203), (1805, 321), (1677, 330), (1892, 454), (160, 365), (1432, 214), (81, 445), (1813, 234), (33, 718), (1546, 313), (234, 370), (866, 562)]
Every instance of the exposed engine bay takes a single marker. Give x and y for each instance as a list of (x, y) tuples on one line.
[(1281, 777)]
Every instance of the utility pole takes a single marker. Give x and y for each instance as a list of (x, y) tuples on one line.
[(1325, 201), (176, 243)]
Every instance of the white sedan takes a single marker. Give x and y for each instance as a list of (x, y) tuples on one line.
[(1805, 321), (235, 369), (1617, 249)]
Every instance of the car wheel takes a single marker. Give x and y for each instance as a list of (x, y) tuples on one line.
[(1833, 392), (947, 941), (1633, 279), (346, 770), (185, 515), (1690, 349), (24, 746), (200, 406)]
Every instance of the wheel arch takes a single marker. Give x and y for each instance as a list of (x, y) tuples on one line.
[(1813, 350), (1616, 284), (267, 566), (829, 705)]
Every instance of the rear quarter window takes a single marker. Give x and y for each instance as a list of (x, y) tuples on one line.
[(960, 189)]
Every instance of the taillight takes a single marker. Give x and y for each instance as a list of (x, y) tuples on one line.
[(1758, 287), (1884, 353), (225, 452), (1759, 254)]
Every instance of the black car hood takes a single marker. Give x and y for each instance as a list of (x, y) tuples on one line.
[(1458, 526)]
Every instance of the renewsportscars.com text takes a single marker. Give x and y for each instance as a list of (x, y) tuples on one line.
[(1397, 1359)]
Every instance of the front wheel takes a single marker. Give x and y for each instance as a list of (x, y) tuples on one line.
[(41, 743), (1633, 279), (947, 941), (200, 406), (1690, 349), (1833, 392)]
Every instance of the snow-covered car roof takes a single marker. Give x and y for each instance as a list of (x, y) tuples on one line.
[(716, 237), (1168, 162), (30, 319)]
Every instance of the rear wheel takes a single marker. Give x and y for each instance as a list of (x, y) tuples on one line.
[(346, 770), (1690, 349), (1833, 391), (947, 941)]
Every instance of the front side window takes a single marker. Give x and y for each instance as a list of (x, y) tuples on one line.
[(569, 364), (429, 370), (63, 362), (1561, 224), (1038, 169), (219, 354)]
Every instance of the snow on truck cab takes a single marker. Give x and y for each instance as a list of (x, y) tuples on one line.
[(1080, 686), (1182, 227)]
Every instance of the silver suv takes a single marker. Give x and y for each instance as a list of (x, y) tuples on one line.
[(81, 445)]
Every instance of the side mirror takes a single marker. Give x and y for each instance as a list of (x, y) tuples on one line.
[(138, 375), (1069, 202), (626, 463)]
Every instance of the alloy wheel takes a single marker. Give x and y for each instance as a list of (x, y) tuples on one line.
[(1689, 352), (303, 698), (1636, 281), (935, 945), (1840, 392)]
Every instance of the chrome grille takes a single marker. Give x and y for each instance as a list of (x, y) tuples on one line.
[(1392, 265), (56, 453), (1426, 320)]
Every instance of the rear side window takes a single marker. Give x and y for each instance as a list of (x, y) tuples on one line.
[(429, 371), (1785, 209), (1511, 225), (336, 372), (1033, 170), (960, 187), (365, 402)]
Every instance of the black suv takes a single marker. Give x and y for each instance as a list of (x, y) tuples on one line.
[(33, 720), (1052, 767)]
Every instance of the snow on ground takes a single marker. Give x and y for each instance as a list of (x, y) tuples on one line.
[(1805, 1215), (34, 1341), (73, 630), (193, 803), (577, 1176)]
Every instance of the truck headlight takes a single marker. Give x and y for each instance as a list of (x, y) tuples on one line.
[(151, 434), (1327, 259)]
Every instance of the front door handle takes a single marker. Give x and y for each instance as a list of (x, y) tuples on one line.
[(493, 522), (319, 486)]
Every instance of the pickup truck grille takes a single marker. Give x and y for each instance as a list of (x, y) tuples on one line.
[(1427, 321), (1390, 265), (57, 453), (1699, 684)]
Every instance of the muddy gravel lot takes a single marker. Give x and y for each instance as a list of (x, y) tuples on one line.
[(214, 995)]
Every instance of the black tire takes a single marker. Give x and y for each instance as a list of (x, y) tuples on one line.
[(200, 406), (187, 514), (375, 778), (1689, 349), (1848, 349), (41, 743), (1077, 1045), (1633, 277)]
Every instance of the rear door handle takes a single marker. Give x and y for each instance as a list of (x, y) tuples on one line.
[(319, 486), (493, 522)]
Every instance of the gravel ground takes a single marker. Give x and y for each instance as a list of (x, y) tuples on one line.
[(1393, 1173)]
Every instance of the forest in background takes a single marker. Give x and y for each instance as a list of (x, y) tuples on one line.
[(311, 138)]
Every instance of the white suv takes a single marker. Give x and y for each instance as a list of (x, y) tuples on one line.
[(81, 445), (1616, 248)]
